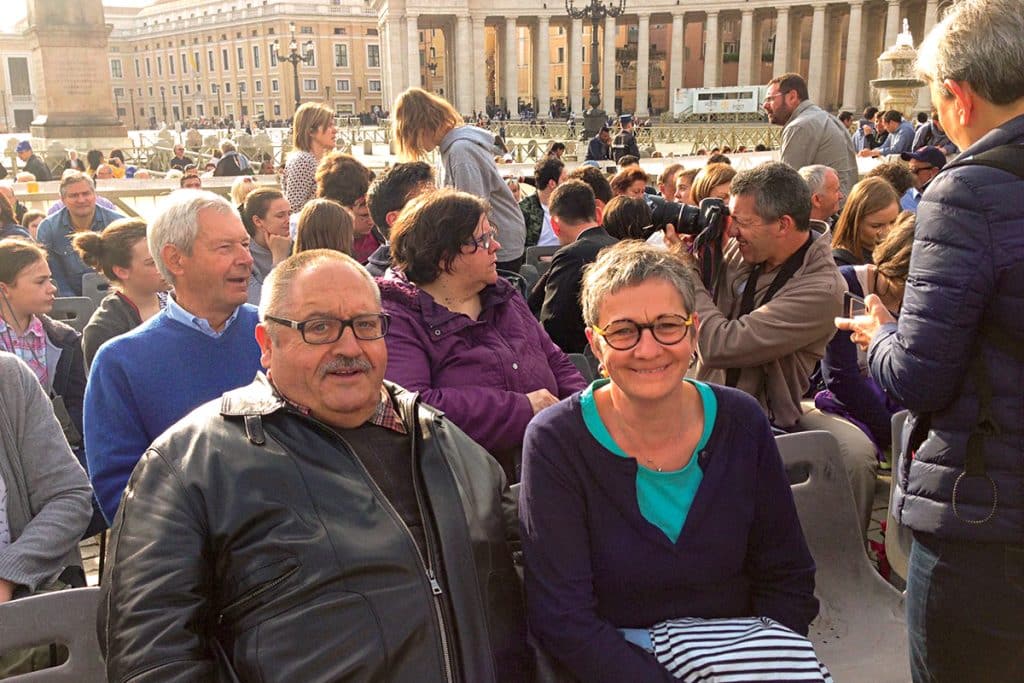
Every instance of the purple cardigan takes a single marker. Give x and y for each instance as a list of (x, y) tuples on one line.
[(477, 371), (594, 564)]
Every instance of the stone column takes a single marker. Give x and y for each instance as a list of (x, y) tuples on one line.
[(781, 63), (608, 65), (397, 57), (576, 67), (712, 51), (675, 67), (746, 46), (892, 23), (479, 64), (643, 66), (542, 68), (853, 87), (509, 71), (816, 63), (462, 51), (385, 62), (412, 47), (931, 17)]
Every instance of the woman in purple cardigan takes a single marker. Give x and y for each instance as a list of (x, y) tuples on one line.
[(648, 497), (462, 336)]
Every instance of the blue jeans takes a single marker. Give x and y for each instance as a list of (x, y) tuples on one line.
[(965, 611)]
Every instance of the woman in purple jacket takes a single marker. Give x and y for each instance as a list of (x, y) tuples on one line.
[(648, 497), (462, 336)]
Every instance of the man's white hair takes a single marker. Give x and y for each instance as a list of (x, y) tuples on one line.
[(177, 223)]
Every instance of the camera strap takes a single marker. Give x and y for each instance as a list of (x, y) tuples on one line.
[(786, 272)]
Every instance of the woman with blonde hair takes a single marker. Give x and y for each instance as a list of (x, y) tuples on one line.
[(867, 217), (313, 135), (423, 122), (243, 185), (714, 180), (323, 224)]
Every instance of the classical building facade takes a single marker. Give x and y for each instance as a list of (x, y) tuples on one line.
[(182, 59)]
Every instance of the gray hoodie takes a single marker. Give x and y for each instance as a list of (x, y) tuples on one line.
[(467, 164)]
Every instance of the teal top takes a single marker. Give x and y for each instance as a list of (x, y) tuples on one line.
[(664, 497)]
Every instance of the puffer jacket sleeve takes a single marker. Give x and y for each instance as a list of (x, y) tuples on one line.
[(155, 608), (922, 361)]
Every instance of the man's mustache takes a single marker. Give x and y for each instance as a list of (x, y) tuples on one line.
[(343, 364)]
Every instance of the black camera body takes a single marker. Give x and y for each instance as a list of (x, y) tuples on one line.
[(687, 219)]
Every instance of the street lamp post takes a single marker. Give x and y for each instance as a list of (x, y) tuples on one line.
[(294, 57), (131, 96), (220, 103), (117, 106), (596, 11)]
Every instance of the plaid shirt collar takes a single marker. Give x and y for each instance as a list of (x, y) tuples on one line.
[(385, 415)]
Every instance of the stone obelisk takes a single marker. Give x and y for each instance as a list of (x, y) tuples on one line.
[(68, 39)]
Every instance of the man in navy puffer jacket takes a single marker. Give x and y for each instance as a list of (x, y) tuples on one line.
[(964, 296)]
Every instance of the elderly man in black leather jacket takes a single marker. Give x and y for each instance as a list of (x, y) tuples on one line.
[(317, 525)]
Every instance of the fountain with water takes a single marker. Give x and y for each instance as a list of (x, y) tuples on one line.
[(897, 84)]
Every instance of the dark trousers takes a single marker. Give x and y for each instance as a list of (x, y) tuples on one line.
[(965, 611)]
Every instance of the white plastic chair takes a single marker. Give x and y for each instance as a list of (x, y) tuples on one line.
[(67, 617), (73, 310), (898, 538), (96, 287), (860, 632)]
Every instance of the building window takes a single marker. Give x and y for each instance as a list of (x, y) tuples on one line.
[(195, 61), (224, 59), (174, 90), (561, 56), (242, 88), (277, 109), (255, 56), (209, 59), (119, 92), (170, 63), (138, 74), (374, 85), (340, 31), (309, 85), (373, 56), (186, 89), (558, 83), (199, 110), (341, 56), (257, 86), (307, 30), (371, 32), (274, 85), (184, 63), (149, 68), (159, 66), (273, 56), (115, 69), (150, 91), (343, 85), (240, 53)]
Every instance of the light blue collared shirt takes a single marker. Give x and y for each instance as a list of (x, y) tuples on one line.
[(175, 312)]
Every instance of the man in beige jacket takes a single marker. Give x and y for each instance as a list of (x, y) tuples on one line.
[(772, 312)]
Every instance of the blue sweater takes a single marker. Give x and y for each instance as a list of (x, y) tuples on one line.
[(146, 380), (594, 564)]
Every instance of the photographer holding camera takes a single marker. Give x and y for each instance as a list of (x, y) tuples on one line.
[(767, 307)]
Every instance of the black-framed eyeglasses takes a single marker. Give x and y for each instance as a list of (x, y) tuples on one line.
[(917, 170), (329, 330), (668, 330), (481, 242)]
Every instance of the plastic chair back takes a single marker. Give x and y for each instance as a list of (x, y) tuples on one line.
[(96, 287), (898, 538), (860, 632), (67, 617), (73, 310), (583, 365), (540, 257)]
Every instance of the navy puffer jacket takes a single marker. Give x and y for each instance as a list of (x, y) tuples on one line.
[(966, 272)]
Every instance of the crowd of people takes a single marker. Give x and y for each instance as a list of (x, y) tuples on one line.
[(301, 411)]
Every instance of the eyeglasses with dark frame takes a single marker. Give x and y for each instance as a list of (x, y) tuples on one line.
[(667, 330), (481, 242), (917, 170), (317, 331)]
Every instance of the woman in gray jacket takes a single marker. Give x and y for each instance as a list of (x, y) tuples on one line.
[(424, 122), (45, 496)]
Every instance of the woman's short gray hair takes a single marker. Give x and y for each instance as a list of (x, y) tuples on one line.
[(177, 223), (980, 42), (628, 264)]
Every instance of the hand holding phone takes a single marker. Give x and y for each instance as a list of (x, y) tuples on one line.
[(853, 306)]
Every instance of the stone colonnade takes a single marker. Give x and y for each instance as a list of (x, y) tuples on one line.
[(833, 44)]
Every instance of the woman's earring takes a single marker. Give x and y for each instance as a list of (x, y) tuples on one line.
[(601, 370)]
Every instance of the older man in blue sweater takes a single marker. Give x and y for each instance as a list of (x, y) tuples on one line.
[(200, 346)]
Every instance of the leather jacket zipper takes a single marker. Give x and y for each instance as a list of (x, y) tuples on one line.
[(256, 592), (425, 564)]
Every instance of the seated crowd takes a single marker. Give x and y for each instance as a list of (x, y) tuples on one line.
[(301, 412)]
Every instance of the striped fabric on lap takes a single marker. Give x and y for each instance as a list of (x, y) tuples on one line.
[(735, 651)]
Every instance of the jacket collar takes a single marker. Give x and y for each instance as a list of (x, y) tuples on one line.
[(440, 320), (260, 399)]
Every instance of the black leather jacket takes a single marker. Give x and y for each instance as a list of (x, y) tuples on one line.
[(288, 564)]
